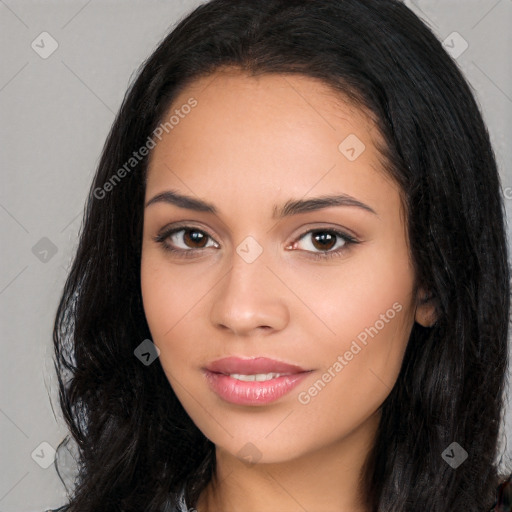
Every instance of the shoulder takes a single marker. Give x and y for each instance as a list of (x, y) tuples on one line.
[(503, 501), (60, 509)]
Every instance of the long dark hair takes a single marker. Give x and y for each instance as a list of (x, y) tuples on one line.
[(137, 446)]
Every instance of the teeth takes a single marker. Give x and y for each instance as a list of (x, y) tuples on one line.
[(259, 377)]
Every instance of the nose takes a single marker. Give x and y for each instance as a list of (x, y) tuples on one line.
[(250, 299)]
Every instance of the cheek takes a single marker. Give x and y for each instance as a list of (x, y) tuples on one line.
[(174, 303), (368, 309), (358, 368), (374, 282), (168, 292), (354, 383), (155, 296)]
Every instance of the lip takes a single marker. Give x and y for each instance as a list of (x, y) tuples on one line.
[(254, 392), (252, 366)]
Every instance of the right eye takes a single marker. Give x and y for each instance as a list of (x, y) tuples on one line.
[(191, 239)]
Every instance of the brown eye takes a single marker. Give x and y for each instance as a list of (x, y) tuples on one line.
[(324, 240), (185, 241), (194, 238), (324, 243)]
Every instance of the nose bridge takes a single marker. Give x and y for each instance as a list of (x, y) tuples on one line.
[(248, 297), (249, 273)]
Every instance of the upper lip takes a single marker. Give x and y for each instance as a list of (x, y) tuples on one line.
[(252, 366)]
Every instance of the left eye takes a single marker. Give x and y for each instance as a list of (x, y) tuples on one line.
[(325, 241)]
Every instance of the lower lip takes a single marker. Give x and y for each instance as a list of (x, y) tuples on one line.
[(241, 392)]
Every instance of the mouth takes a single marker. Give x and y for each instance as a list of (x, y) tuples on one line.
[(255, 381)]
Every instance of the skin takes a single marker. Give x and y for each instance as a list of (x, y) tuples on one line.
[(249, 144)]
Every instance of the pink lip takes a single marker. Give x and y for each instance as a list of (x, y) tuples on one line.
[(252, 366), (252, 393)]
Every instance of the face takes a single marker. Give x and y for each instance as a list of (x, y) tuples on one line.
[(313, 297)]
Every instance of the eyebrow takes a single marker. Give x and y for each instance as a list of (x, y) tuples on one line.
[(291, 207)]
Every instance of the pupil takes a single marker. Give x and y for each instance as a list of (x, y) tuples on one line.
[(326, 240)]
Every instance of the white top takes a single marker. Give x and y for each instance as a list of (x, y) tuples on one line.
[(182, 505)]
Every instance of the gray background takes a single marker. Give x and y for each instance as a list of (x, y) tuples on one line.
[(55, 116)]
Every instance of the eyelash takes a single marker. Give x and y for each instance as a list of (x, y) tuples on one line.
[(190, 253)]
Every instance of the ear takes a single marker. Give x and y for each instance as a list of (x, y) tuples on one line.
[(425, 309)]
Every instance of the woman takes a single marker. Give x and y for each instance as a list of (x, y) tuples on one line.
[(291, 290)]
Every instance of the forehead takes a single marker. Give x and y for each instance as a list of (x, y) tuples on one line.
[(266, 133), (272, 100)]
